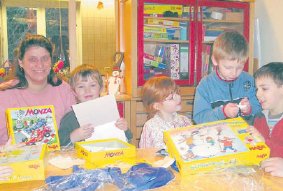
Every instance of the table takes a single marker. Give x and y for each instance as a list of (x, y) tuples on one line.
[(212, 181)]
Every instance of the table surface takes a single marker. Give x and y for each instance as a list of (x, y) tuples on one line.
[(221, 180)]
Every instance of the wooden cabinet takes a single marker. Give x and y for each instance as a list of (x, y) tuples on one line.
[(174, 38)]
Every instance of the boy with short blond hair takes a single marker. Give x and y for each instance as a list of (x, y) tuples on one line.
[(228, 91)]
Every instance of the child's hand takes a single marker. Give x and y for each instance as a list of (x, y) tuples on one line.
[(82, 133), (231, 110), (245, 106), (122, 124), (5, 172), (254, 132), (274, 166)]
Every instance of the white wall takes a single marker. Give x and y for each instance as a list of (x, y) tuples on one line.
[(270, 17)]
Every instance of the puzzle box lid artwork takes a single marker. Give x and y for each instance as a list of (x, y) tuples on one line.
[(33, 125), (214, 145)]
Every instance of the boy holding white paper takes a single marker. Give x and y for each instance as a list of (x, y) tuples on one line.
[(87, 84)]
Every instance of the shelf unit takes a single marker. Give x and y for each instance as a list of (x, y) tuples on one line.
[(141, 44)]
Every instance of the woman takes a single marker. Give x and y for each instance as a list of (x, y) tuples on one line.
[(35, 82)]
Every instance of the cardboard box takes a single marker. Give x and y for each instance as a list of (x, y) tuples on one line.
[(104, 152), (214, 145), (234, 16), (27, 163), (33, 125)]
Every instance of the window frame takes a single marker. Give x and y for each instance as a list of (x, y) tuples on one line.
[(40, 5)]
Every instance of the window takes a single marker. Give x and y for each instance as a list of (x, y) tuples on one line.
[(49, 18)]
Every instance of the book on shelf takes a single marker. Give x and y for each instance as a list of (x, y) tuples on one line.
[(156, 36), (211, 35), (207, 65), (150, 71), (154, 61), (161, 22), (184, 62), (151, 9), (161, 32), (166, 59), (186, 12), (155, 58), (156, 29), (33, 125), (175, 61), (183, 31)]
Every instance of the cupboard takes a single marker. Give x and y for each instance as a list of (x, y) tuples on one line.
[(174, 38)]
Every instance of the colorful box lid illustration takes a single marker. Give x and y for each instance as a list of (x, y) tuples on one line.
[(215, 145), (33, 125)]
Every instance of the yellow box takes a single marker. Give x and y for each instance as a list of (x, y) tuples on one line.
[(103, 152), (27, 163), (33, 125), (159, 9), (215, 145)]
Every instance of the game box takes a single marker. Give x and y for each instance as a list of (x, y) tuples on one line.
[(214, 145), (33, 125), (104, 152), (27, 163)]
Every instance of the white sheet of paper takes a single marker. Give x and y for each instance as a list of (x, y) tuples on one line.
[(103, 113), (106, 131)]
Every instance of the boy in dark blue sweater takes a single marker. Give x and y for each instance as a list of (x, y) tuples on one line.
[(228, 91)]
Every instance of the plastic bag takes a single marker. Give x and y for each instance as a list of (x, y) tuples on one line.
[(139, 177), (143, 177), (80, 179)]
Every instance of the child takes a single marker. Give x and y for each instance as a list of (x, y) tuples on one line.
[(87, 84), (228, 91), (161, 99), (269, 122)]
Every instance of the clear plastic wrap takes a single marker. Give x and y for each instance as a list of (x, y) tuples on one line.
[(244, 178), (239, 178)]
